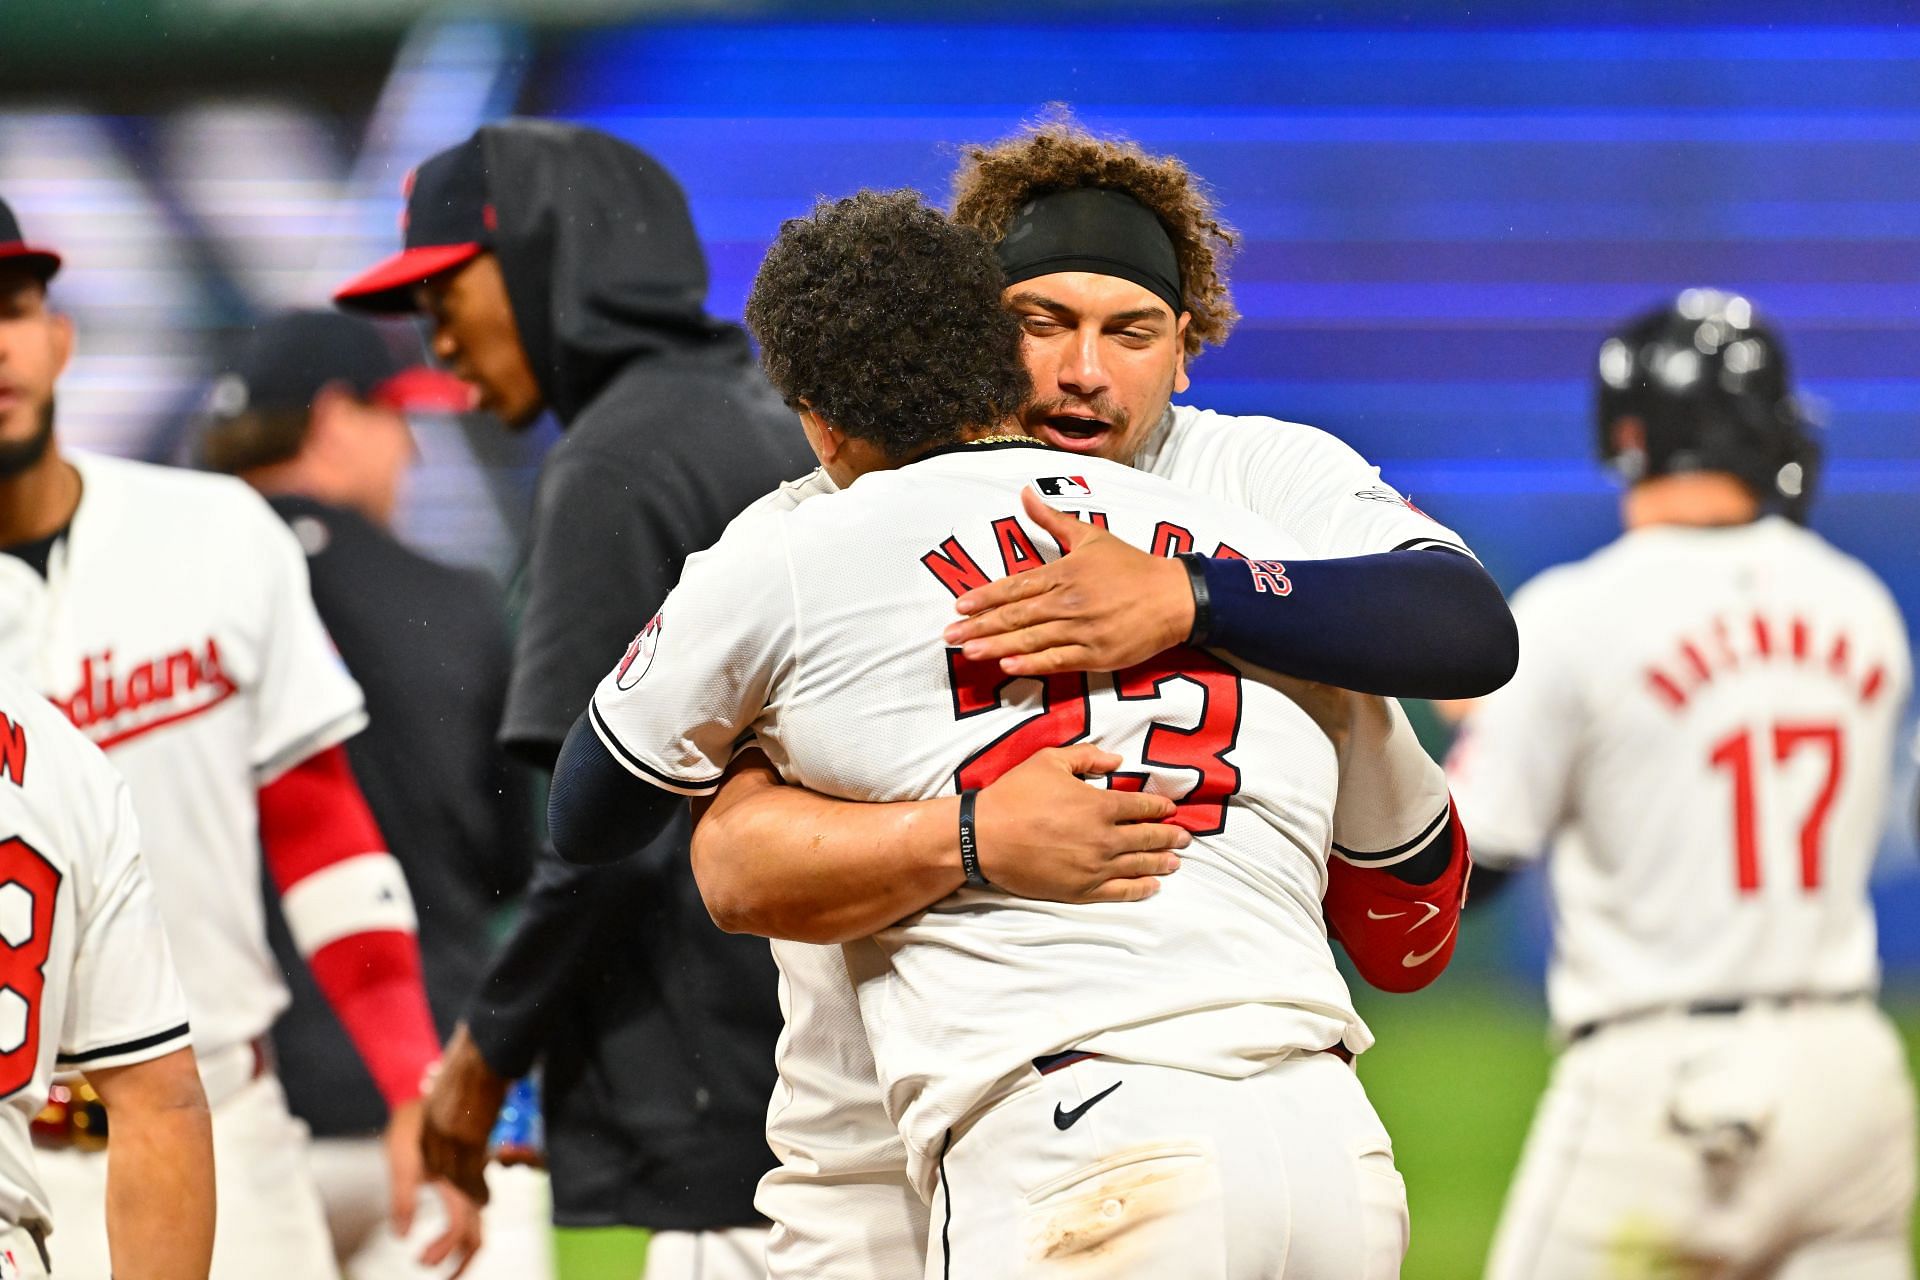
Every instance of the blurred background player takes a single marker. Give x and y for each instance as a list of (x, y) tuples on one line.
[(560, 271), (91, 987), (167, 614), (1702, 728), (312, 413)]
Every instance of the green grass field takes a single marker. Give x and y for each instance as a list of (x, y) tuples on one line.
[(1455, 1075)]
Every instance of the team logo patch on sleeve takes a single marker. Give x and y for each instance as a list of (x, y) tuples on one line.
[(1387, 493), (1063, 487), (639, 655)]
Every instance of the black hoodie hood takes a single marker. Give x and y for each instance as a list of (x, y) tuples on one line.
[(599, 253)]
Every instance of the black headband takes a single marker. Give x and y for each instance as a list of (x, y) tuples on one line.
[(1092, 229)]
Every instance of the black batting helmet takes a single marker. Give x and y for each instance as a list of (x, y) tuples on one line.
[(1707, 382)]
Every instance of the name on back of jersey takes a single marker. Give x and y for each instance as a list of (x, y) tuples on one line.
[(959, 571), (1732, 643)]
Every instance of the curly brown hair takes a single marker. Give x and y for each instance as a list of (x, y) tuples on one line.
[(885, 318), (1055, 153)]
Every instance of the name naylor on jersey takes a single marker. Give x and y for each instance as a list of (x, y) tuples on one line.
[(118, 702), (959, 572), (1729, 645)]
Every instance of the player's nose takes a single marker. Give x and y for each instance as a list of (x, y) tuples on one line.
[(1081, 368)]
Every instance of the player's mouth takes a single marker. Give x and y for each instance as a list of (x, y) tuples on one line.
[(1073, 432), (11, 398)]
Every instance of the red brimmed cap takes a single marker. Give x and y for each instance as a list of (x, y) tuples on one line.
[(14, 248), (289, 359), (449, 222)]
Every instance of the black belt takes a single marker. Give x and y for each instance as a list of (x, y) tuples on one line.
[(1715, 1009), (1048, 1063)]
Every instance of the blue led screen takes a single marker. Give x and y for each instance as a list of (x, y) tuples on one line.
[(1441, 221)]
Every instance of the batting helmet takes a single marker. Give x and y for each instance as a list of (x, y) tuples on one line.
[(1707, 383)]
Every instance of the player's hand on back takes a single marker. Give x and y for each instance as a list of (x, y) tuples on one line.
[(1046, 833), (459, 1240), (1102, 606)]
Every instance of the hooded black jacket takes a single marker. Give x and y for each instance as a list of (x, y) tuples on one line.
[(656, 1030)]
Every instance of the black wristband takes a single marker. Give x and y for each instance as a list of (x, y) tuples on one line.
[(1202, 601), (969, 843)]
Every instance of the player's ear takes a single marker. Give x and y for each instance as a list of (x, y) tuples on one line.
[(339, 427), (62, 342), (827, 440)]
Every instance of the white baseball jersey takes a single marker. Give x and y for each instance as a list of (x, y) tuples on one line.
[(1703, 726), (814, 632), (1306, 483), (826, 1123), (175, 630), (86, 979)]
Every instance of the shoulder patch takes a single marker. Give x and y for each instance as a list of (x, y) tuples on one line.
[(639, 655)]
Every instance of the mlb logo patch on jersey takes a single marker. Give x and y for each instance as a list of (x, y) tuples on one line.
[(639, 655), (1063, 487)]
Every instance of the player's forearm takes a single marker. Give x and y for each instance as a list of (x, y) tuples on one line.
[(784, 862), (160, 1196), (598, 812), (1404, 624), (351, 916)]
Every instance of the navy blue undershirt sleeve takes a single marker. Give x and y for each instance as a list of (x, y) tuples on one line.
[(1429, 623), (598, 812)]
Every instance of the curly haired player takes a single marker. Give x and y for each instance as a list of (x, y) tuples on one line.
[(1114, 263), (1207, 1022)]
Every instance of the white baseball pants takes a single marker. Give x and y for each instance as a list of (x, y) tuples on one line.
[(853, 1226), (353, 1180), (20, 1256), (736, 1253), (1117, 1170), (1777, 1142)]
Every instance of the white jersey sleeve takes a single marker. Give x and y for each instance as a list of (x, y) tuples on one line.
[(124, 1004), (684, 697), (304, 700), (1511, 767), (1308, 483)]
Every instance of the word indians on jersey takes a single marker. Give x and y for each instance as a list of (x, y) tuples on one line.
[(112, 705)]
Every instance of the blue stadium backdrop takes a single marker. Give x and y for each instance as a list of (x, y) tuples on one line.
[(1441, 221)]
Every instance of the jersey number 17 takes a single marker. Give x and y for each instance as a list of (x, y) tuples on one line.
[(1736, 753)]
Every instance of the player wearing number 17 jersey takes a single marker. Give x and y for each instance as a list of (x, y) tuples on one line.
[(1702, 726), (1222, 1131)]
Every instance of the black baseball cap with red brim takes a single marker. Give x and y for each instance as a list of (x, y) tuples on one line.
[(449, 222), (15, 249)]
